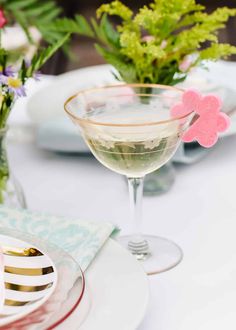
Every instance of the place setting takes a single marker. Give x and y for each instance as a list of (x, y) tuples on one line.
[(160, 100), (35, 283)]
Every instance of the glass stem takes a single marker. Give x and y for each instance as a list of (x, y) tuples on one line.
[(137, 245)]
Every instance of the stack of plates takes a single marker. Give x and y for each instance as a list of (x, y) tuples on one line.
[(46, 289), (37, 296)]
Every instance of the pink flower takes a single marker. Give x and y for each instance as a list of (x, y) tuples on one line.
[(210, 120), (148, 38), (3, 20), (185, 64), (163, 44)]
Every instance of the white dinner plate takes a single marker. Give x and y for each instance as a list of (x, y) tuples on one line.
[(29, 280), (48, 102), (119, 291), (55, 131)]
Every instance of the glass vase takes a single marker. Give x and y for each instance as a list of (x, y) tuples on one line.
[(160, 181), (11, 193)]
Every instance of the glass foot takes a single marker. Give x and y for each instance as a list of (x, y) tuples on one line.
[(156, 254)]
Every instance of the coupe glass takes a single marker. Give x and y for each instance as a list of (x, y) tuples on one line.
[(129, 129)]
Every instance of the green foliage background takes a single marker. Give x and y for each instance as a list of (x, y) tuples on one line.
[(176, 28)]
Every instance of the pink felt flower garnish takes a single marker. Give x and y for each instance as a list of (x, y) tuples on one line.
[(210, 120), (3, 20)]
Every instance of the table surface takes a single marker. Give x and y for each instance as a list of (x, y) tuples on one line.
[(199, 214)]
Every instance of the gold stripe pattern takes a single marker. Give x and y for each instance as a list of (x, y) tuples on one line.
[(9, 302), (21, 252), (27, 288), (24, 252), (29, 271)]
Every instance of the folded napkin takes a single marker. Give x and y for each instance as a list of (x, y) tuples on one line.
[(81, 239)]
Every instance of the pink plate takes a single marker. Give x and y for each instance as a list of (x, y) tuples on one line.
[(68, 295)]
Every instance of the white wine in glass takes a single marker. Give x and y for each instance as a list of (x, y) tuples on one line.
[(129, 129)]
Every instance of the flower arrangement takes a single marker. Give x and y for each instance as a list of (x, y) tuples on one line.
[(13, 76), (159, 44), (163, 41)]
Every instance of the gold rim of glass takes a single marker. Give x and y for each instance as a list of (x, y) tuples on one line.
[(93, 122)]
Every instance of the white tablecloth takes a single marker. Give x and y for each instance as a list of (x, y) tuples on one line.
[(199, 214)]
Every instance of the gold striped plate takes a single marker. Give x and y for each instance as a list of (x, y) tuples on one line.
[(30, 278)]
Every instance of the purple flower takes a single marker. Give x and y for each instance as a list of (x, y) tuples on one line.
[(3, 79), (14, 85), (19, 91), (37, 75), (11, 83), (9, 72)]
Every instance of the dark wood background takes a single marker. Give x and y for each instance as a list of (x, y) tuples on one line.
[(83, 47)]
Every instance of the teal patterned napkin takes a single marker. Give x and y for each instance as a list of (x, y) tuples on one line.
[(82, 239)]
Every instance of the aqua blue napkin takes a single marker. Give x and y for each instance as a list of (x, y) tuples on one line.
[(82, 239)]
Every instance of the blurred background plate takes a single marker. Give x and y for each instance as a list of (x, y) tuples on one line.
[(48, 102)]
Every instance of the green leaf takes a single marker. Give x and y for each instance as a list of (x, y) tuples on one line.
[(32, 13), (22, 74), (98, 31), (16, 5), (178, 80), (3, 58), (126, 70), (111, 35), (44, 8), (24, 24), (50, 15), (83, 26), (67, 25), (42, 57)]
